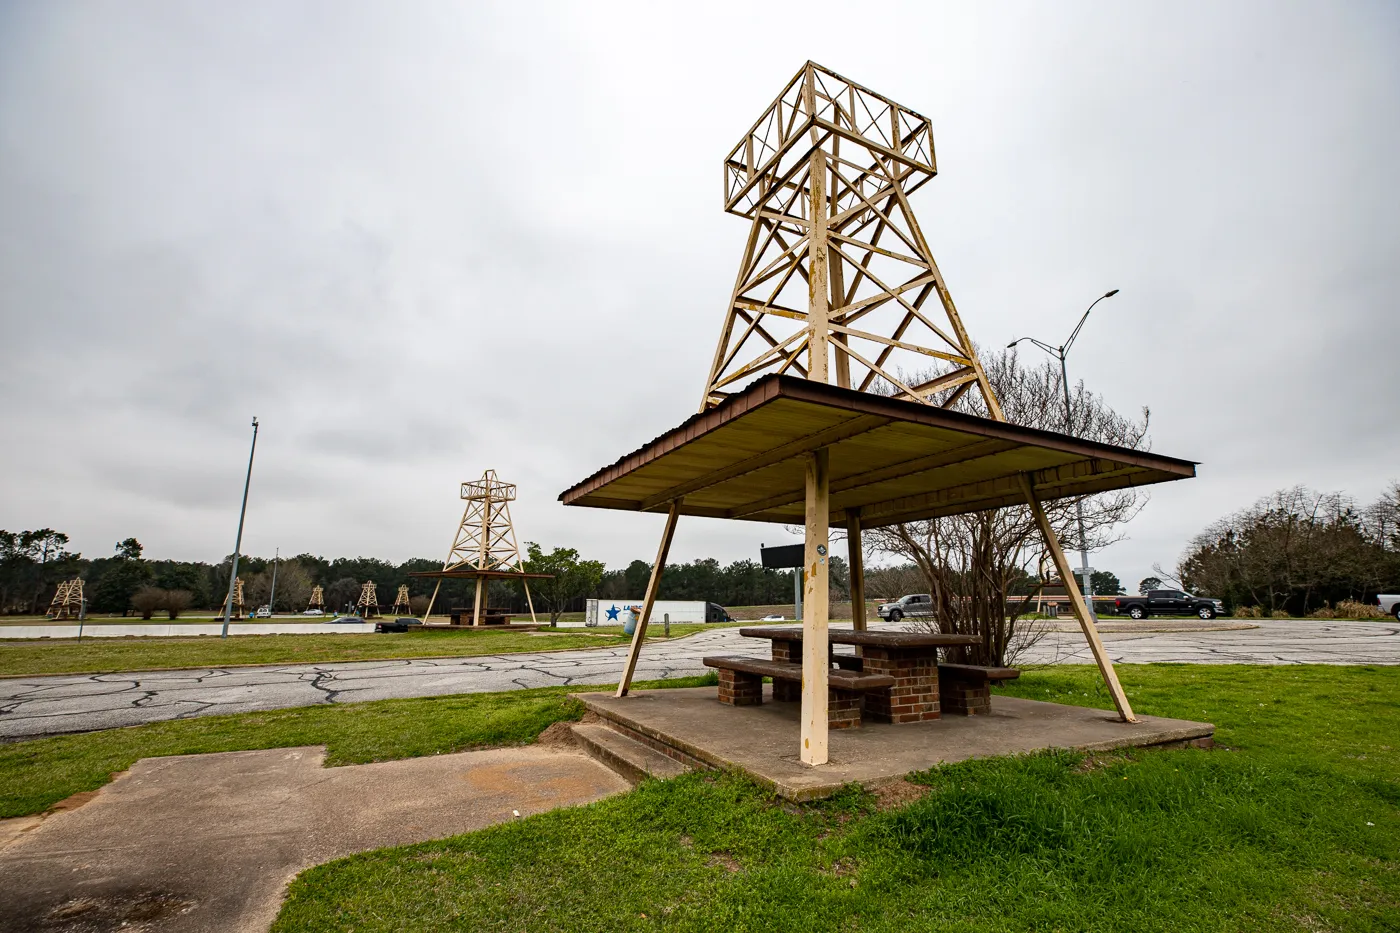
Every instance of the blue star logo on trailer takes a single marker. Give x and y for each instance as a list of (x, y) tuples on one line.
[(612, 613)]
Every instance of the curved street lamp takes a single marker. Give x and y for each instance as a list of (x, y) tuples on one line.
[(1060, 353)]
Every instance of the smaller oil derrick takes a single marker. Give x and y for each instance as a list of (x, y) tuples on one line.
[(67, 600), (369, 601)]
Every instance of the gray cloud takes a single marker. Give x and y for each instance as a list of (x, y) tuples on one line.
[(423, 240)]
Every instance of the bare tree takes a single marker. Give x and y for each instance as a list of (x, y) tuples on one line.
[(1292, 551), (1382, 518), (176, 602), (293, 586), (147, 600), (893, 582), (969, 562), (342, 593), (258, 587)]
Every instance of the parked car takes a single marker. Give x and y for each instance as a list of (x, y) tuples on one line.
[(314, 612), (773, 618), (264, 612), (1390, 605), (915, 606), (401, 624), (1167, 602)]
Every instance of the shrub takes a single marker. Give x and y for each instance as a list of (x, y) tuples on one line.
[(1353, 609), (1350, 609), (176, 602), (147, 600)]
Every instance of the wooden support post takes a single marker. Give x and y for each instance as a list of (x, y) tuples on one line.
[(1081, 609), (476, 612), (482, 562), (836, 275), (530, 602), (431, 601), (856, 561), (818, 328), (653, 585), (816, 662)]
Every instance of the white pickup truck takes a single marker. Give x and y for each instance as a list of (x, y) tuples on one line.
[(1390, 605)]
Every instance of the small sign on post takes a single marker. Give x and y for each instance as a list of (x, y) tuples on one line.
[(783, 557)]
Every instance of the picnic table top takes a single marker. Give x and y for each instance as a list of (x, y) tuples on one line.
[(842, 636)]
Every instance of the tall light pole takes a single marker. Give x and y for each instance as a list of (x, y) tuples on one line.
[(1060, 353), (272, 597), (238, 542)]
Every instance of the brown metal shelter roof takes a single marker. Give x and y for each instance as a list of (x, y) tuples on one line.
[(894, 460)]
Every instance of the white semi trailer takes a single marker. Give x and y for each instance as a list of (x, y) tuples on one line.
[(614, 611)]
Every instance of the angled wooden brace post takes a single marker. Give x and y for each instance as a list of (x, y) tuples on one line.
[(855, 560), (1081, 609), (653, 585)]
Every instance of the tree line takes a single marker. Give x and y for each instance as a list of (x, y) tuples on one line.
[(1298, 551), (33, 563)]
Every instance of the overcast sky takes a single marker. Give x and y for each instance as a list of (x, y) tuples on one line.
[(418, 240)]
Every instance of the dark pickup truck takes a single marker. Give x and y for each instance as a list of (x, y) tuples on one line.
[(1167, 602), (401, 624)]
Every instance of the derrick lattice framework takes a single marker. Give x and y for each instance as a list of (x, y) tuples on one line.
[(401, 601), (838, 283), (486, 538), (67, 599), (485, 541), (369, 600), (318, 599)]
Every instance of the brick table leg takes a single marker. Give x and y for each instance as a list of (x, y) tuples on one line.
[(914, 696), (737, 688), (787, 652), (965, 697), (843, 708)]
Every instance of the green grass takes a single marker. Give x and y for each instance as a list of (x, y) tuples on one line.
[(1293, 825), (36, 774), (95, 655)]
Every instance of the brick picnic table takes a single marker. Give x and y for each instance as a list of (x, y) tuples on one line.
[(909, 658)]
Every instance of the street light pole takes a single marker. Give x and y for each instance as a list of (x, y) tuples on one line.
[(1060, 353), (238, 542), (272, 597)]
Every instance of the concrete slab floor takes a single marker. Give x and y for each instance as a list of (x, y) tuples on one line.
[(209, 842), (763, 740)]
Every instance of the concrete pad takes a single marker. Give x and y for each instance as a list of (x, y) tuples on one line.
[(762, 740), (209, 842)]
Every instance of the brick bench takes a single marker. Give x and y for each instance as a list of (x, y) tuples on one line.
[(966, 689), (741, 684)]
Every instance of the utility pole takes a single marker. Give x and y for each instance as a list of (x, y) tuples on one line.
[(238, 542), (1060, 353), (272, 598)]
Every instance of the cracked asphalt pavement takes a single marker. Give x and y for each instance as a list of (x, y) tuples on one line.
[(51, 705)]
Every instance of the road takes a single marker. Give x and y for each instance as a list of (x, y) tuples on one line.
[(35, 706)]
